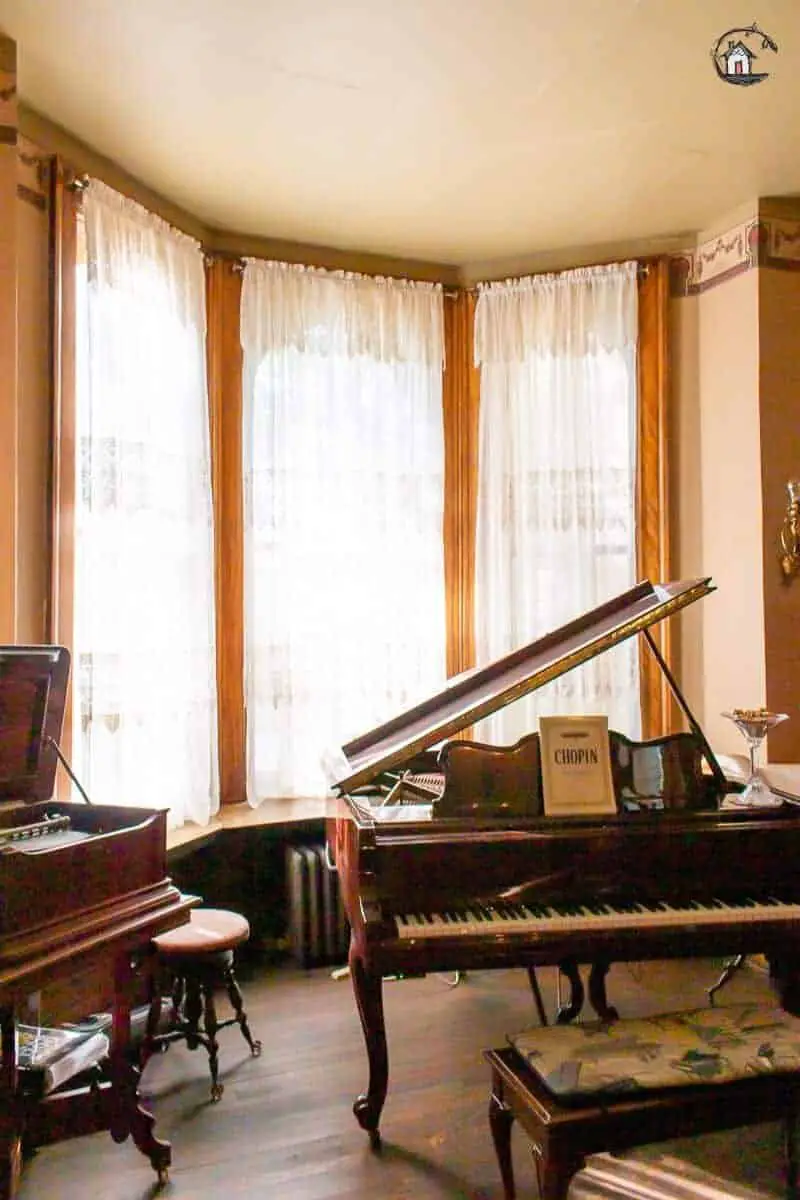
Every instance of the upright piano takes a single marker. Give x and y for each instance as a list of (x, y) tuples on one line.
[(83, 890), (447, 860)]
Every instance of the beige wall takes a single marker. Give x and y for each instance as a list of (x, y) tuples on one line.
[(732, 653), (779, 389), (685, 488), (736, 441)]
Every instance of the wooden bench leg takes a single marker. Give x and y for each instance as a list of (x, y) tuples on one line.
[(500, 1121), (790, 1149), (554, 1172)]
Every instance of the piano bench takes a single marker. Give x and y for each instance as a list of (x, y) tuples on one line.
[(580, 1089), (199, 957)]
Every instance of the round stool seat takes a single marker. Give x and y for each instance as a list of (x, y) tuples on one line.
[(208, 931)]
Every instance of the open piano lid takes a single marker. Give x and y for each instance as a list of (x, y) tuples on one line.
[(475, 694), (33, 691)]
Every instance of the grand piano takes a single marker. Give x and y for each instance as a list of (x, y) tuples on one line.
[(83, 890), (447, 861)]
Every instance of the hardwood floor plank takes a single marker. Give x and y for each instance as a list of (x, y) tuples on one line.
[(284, 1127)]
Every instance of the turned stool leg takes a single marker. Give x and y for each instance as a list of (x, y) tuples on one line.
[(178, 989), (192, 1010), (237, 1002), (210, 1026)]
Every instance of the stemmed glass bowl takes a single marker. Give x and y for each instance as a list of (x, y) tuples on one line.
[(754, 724)]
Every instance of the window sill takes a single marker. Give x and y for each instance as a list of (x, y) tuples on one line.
[(270, 813)]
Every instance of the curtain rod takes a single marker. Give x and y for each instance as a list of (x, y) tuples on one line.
[(642, 270)]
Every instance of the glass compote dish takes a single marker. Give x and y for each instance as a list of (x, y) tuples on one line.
[(754, 724)]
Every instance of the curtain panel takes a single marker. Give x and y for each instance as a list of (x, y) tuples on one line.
[(343, 475), (556, 493), (145, 724)]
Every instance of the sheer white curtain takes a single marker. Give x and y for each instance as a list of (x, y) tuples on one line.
[(556, 531), (344, 477), (145, 728)]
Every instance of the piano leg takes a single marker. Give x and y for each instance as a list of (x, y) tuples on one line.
[(10, 1115), (537, 995), (784, 974), (127, 1116), (597, 990), (568, 1012), (368, 989)]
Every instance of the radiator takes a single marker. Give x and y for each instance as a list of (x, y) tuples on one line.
[(318, 931)]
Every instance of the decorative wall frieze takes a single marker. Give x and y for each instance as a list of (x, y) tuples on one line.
[(764, 242)]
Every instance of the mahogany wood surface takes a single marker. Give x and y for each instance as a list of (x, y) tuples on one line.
[(123, 943), (92, 905), (387, 868)]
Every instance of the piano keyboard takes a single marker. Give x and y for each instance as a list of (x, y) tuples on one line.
[(590, 918)]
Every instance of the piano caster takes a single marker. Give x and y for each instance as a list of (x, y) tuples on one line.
[(163, 1176), (568, 1012), (217, 1090)]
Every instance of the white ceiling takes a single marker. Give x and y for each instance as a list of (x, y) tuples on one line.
[(449, 130)]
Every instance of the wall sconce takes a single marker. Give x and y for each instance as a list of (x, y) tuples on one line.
[(790, 531)]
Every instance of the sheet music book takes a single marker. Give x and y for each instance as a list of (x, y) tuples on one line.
[(576, 766), (632, 1177), (47, 1058)]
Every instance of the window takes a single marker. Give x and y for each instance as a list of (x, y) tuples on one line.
[(344, 578), (556, 509)]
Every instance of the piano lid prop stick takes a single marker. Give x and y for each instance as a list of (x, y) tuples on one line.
[(52, 742)]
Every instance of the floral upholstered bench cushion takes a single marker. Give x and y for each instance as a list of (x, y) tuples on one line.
[(578, 1063)]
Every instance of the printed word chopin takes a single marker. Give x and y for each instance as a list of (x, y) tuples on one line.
[(577, 756)]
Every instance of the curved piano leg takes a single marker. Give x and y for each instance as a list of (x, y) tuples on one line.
[(537, 995), (597, 991), (368, 989), (127, 1116), (568, 1012), (784, 975), (10, 1114)]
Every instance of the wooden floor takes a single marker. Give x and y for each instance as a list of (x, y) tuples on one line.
[(284, 1127)]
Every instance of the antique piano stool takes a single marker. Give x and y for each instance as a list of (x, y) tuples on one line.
[(579, 1089), (199, 958)]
